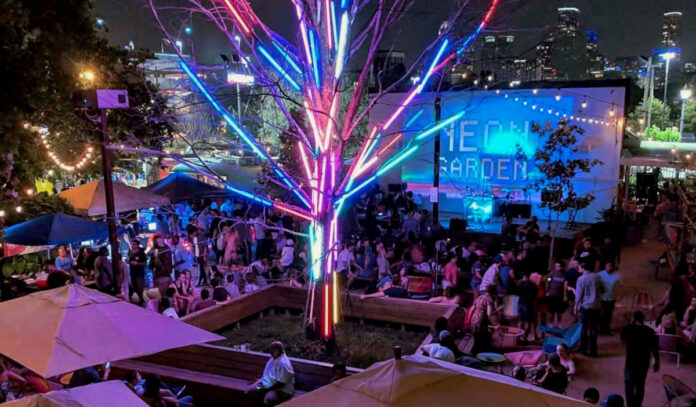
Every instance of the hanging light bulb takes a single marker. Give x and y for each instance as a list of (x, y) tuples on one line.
[(18, 209), (558, 96), (612, 112), (584, 103)]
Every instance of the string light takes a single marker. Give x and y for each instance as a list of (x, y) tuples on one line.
[(558, 96), (77, 165), (548, 110), (584, 104), (612, 112)]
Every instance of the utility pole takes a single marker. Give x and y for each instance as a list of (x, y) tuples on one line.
[(103, 99), (436, 162), (109, 192), (651, 91), (646, 92)]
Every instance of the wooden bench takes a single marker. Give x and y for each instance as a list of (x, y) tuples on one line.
[(207, 389)]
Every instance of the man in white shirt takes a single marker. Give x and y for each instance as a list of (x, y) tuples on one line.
[(278, 379), (345, 258), (492, 275)]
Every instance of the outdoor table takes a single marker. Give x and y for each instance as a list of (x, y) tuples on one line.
[(493, 359), (511, 332)]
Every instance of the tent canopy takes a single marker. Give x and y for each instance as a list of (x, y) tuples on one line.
[(179, 186), (417, 381), (61, 330), (54, 229), (89, 199), (105, 394)]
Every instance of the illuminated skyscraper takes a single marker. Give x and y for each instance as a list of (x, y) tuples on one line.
[(568, 20), (670, 28)]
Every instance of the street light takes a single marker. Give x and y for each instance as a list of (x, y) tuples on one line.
[(685, 95), (667, 56)]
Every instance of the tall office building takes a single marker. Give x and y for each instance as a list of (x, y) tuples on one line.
[(670, 28), (568, 20), (387, 68), (496, 56), (595, 59)]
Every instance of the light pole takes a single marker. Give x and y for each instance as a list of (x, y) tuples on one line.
[(667, 56), (685, 95)]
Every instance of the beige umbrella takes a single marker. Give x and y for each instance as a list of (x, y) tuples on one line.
[(89, 199), (421, 381), (105, 394), (61, 330)]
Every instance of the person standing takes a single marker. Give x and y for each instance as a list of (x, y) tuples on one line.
[(161, 264), (105, 274), (137, 260), (610, 279), (641, 342), (588, 303)]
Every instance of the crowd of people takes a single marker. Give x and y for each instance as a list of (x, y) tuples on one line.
[(211, 254)]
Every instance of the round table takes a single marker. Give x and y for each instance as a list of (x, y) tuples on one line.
[(492, 359)]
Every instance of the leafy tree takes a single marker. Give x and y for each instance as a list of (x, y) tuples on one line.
[(555, 158), (660, 113), (655, 133), (690, 117), (35, 206), (46, 48)]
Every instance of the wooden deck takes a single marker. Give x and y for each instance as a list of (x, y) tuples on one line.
[(218, 376)]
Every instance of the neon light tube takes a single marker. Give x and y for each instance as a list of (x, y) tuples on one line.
[(330, 121), (286, 55), (329, 23), (342, 40), (224, 113), (335, 298), (372, 146), (391, 164), (414, 118), (305, 161), (322, 183), (326, 310), (312, 122), (305, 41), (238, 17), (431, 69), (334, 27), (315, 59), (334, 160), (278, 68), (391, 143), (361, 154), (480, 28), (364, 167), (249, 195), (440, 126), (357, 189), (291, 211), (402, 106)]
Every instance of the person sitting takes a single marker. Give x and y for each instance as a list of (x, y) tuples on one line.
[(205, 302), (591, 395), (220, 294), (231, 287), (519, 373), (613, 400), (556, 377), (392, 289), (277, 384), (448, 297), (183, 299), (437, 351), (154, 392), (250, 283), (339, 371), (88, 375), (166, 308)]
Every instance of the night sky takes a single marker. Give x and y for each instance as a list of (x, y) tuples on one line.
[(625, 27)]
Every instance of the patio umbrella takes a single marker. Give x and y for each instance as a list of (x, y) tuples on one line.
[(178, 186), (106, 394), (61, 330), (89, 199), (421, 381), (54, 229)]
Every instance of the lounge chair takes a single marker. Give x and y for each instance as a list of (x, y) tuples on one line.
[(569, 336)]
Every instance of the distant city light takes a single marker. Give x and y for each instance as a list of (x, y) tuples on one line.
[(100, 21)]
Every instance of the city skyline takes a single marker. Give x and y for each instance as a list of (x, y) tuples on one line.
[(637, 33)]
